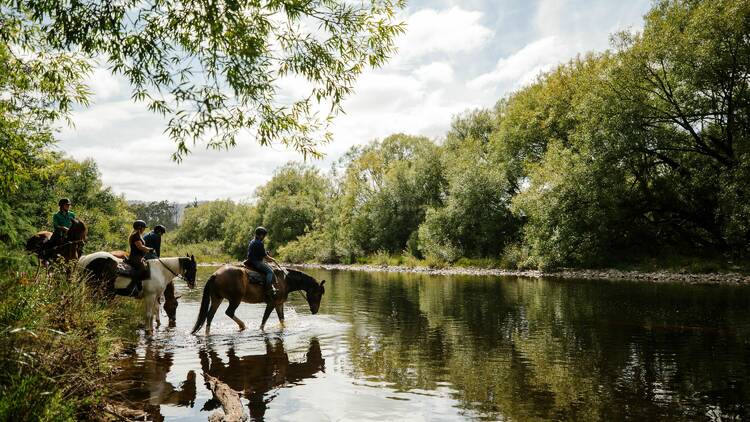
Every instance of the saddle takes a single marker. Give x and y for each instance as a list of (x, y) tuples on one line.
[(124, 269), (255, 276)]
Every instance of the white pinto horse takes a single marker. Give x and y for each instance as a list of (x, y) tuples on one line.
[(162, 271)]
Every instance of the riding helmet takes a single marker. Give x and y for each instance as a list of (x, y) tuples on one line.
[(261, 231), (139, 224), (64, 201), (160, 229)]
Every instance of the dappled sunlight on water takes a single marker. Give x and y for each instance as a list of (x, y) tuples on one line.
[(417, 347)]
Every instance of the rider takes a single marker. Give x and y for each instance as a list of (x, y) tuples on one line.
[(257, 255), (153, 240), (138, 250), (61, 222)]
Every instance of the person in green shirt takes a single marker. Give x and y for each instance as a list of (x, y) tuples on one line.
[(61, 221)]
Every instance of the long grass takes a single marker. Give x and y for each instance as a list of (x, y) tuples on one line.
[(57, 340)]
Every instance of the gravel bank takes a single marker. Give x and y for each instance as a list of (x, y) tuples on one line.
[(658, 277)]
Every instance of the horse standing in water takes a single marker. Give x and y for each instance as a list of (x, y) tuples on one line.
[(239, 284), (103, 268)]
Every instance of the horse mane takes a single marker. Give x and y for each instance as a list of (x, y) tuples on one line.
[(78, 230), (302, 276)]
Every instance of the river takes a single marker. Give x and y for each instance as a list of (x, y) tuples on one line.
[(413, 347)]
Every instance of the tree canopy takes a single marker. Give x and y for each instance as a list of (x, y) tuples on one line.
[(213, 69)]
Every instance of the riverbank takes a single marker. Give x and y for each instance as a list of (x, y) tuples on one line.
[(58, 346), (603, 274)]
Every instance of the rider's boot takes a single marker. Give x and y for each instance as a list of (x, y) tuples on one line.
[(271, 291)]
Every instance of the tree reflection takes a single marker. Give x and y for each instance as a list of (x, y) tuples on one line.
[(255, 376), (537, 349)]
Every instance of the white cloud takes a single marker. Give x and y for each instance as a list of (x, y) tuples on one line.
[(106, 86), (525, 65), (439, 72), (448, 31)]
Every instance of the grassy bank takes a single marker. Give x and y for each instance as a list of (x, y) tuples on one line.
[(57, 343)]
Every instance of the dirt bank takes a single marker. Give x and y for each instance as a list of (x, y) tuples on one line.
[(659, 277)]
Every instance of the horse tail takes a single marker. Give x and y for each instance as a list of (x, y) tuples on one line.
[(205, 302)]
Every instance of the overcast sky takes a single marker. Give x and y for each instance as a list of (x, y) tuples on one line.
[(455, 56)]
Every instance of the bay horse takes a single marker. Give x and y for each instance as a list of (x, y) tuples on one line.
[(102, 266), (234, 283)]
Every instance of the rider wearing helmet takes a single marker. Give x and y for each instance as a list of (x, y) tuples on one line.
[(153, 240), (256, 257), (62, 220), (138, 250)]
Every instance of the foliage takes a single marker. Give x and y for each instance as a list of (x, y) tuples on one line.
[(204, 222), (291, 202), (216, 69), (474, 219), (55, 347)]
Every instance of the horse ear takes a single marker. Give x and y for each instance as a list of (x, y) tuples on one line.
[(177, 296), (192, 258), (322, 282)]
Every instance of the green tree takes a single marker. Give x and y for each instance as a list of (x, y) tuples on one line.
[(205, 222), (215, 69), (153, 213), (292, 201), (474, 219), (386, 189)]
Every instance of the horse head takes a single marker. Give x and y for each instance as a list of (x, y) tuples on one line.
[(314, 291), (77, 234), (189, 269)]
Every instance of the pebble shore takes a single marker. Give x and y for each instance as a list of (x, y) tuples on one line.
[(615, 275)]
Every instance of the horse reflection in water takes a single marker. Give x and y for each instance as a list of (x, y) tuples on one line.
[(151, 389), (256, 375)]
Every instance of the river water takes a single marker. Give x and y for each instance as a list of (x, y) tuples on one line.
[(412, 347)]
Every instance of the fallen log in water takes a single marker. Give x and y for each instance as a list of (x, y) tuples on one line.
[(229, 399)]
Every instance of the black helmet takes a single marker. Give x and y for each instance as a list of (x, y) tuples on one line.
[(64, 201), (261, 231), (139, 224), (160, 229)]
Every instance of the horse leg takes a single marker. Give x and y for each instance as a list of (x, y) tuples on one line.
[(148, 303), (266, 314), (233, 304), (215, 302), (280, 313), (157, 311)]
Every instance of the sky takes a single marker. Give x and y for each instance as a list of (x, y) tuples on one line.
[(455, 56)]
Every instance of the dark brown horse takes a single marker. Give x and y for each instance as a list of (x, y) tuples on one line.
[(238, 284), (71, 248), (68, 249)]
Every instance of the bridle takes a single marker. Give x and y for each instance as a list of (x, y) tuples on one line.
[(167, 267)]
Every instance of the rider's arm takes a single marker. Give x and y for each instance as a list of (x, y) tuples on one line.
[(269, 257), (57, 224), (141, 246)]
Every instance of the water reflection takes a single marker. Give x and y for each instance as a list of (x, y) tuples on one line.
[(444, 348), (258, 376), (146, 382)]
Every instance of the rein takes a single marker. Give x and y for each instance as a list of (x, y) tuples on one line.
[(170, 270)]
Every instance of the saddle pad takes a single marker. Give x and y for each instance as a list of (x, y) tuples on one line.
[(254, 276)]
